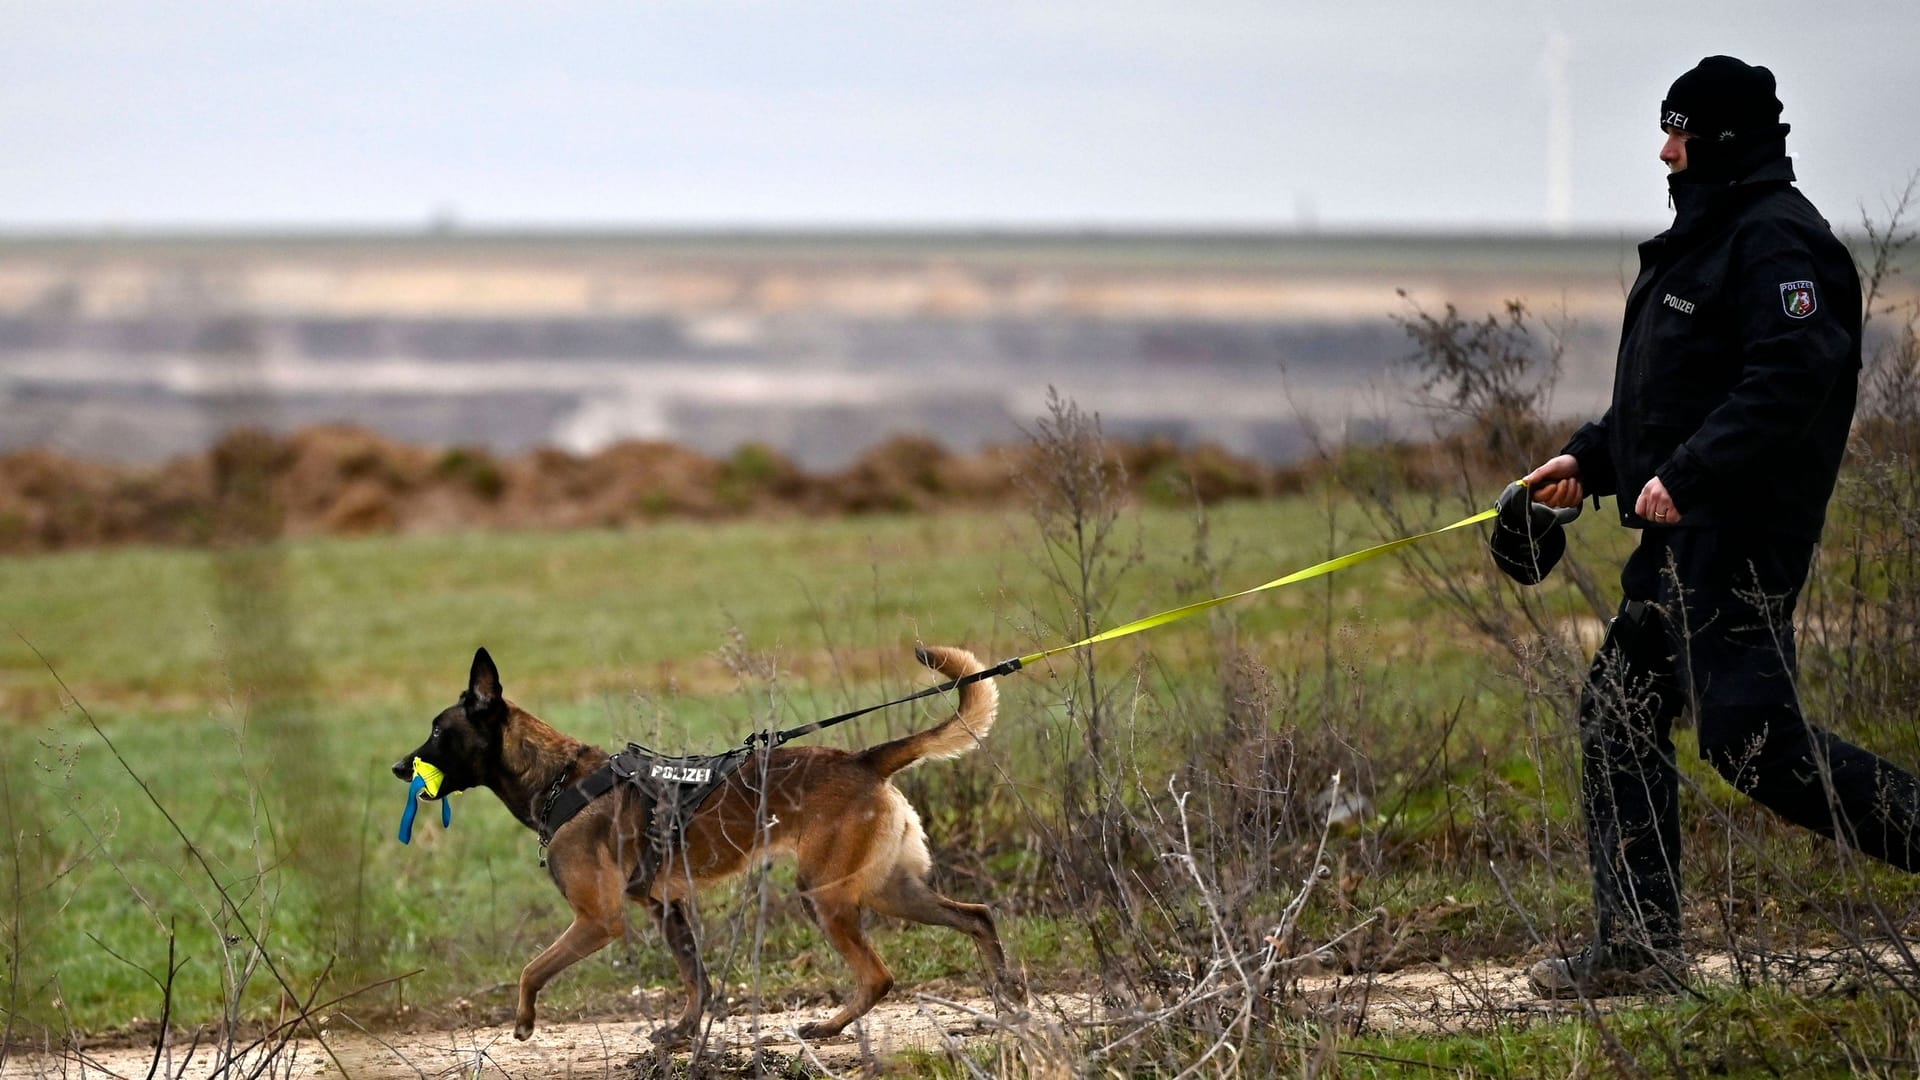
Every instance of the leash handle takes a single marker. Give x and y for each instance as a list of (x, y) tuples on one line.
[(1563, 515)]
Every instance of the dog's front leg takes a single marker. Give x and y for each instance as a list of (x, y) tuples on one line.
[(592, 928), (677, 927)]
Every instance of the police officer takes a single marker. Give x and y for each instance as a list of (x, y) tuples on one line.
[(1732, 398)]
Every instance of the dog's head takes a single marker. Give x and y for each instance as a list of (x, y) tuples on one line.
[(465, 741)]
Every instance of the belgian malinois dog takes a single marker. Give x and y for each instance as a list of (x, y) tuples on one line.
[(856, 840)]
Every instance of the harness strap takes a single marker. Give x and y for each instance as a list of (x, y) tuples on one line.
[(625, 767), (567, 803)]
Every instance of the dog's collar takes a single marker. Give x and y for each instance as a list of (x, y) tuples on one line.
[(545, 815), (543, 821)]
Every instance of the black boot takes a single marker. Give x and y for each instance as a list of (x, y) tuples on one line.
[(1610, 969)]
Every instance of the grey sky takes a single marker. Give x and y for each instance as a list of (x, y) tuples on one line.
[(1367, 114)]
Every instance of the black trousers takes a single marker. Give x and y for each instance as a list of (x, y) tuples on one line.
[(1707, 625)]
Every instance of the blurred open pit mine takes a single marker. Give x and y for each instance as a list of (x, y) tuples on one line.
[(136, 347)]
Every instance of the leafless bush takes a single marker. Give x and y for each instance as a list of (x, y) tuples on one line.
[(1489, 384), (16, 923), (1863, 616), (1205, 833), (1076, 490), (1494, 374)]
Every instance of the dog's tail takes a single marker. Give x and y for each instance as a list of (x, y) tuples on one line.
[(979, 701)]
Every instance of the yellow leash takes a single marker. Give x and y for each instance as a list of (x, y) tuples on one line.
[(1008, 667), (1314, 571)]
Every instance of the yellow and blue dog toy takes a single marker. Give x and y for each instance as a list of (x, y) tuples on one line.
[(426, 780)]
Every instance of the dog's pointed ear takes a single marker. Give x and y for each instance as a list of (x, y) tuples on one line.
[(484, 682)]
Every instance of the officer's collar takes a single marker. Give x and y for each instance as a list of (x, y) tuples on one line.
[(1697, 205)]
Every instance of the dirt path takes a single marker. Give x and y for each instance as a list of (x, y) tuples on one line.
[(1425, 998), (603, 1048)]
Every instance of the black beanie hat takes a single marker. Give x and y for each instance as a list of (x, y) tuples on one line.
[(1723, 102), (1528, 538)]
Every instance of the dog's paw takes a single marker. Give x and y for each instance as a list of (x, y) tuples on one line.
[(523, 1029), (819, 1030), (674, 1035)]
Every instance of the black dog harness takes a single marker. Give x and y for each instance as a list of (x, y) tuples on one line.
[(670, 789)]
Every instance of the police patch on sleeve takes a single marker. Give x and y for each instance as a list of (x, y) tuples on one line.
[(1797, 298)]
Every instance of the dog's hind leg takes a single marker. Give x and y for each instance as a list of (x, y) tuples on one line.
[(677, 928), (597, 919), (906, 896), (839, 920)]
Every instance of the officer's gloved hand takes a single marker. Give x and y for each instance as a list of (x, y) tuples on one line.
[(1528, 537)]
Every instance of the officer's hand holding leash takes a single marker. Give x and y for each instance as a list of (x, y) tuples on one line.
[(1556, 483)]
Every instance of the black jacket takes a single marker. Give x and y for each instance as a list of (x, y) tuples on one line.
[(1739, 363)]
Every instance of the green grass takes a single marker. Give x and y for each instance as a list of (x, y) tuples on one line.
[(384, 618), (1738, 1034), (1756, 1033), (262, 694)]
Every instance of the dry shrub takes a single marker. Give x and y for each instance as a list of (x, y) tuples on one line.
[(1494, 375), (1862, 617)]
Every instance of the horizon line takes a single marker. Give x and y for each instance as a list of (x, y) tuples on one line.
[(1227, 231)]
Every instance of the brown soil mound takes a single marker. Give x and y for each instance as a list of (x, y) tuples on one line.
[(344, 480)]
